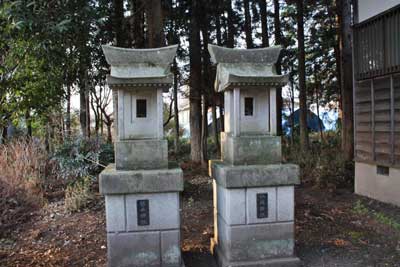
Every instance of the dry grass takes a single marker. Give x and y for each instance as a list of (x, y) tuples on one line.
[(22, 163)]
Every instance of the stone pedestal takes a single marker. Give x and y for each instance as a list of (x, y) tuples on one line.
[(143, 217), (254, 214)]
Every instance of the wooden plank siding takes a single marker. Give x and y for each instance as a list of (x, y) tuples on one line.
[(377, 45), (396, 120), (377, 118)]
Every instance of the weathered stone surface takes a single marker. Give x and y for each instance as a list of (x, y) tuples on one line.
[(163, 211), (113, 181), (170, 249), (266, 56), (231, 205), (119, 56), (147, 154), (285, 203), (257, 241), (230, 176), (134, 249), (115, 213), (278, 262), (251, 149)]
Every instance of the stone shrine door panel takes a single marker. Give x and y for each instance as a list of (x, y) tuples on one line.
[(254, 111), (139, 115)]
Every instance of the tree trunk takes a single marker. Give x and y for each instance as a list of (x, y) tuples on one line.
[(137, 23), (230, 42), (218, 23), (215, 124), (4, 134), (154, 23), (28, 122), (317, 93), (264, 22), (278, 41), (346, 61), (247, 25), (68, 113), (302, 77), (118, 20), (219, 96), (195, 84), (204, 129), (176, 111), (87, 102), (82, 107), (292, 113)]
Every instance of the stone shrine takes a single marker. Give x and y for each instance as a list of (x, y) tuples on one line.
[(253, 190), (142, 193)]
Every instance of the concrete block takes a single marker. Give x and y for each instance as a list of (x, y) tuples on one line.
[(285, 203), (251, 207), (278, 262), (232, 205), (230, 176), (257, 241), (141, 154), (115, 213), (134, 249), (170, 249), (251, 149), (369, 183), (163, 211), (113, 181)]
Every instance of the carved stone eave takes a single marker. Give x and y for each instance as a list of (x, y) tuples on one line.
[(266, 56), (245, 75), (246, 68), (140, 67), (158, 82)]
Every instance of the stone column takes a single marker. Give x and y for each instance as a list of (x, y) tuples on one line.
[(142, 190), (253, 190)]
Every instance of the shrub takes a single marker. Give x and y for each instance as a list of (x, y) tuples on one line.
[(80, 157), (77, 195), (323, 165)]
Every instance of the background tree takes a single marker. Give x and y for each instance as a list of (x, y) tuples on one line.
[(302, 76), (346, 62)]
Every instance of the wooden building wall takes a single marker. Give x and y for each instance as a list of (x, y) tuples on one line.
[(377, 120)]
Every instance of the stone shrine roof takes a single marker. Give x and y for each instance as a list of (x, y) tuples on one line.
[(140, 67), (246, 68)]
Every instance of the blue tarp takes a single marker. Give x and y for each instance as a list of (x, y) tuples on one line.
[(328, 120)]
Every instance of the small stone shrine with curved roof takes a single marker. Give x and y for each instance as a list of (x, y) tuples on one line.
[(253, 190), (141, 190)]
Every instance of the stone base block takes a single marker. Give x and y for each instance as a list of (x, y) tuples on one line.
[(244, 176), (143, 237), (141, 154), (254, 215), (114, 181), (144, 249), (251, 149), (279, 262), (256, 242)]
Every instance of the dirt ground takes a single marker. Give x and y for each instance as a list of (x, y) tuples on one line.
[(332, 229)]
